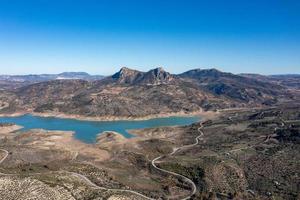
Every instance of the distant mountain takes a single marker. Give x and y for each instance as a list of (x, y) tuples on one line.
[(78, 75), (27, 78), (132, 93), (48, 77), (285, 76), (17, 81), (291, 81)]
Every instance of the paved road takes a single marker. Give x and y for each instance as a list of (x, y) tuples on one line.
[(175, 150)]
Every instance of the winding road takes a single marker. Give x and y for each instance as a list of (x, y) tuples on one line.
[(84, 178), (194, 188), (153, 163)]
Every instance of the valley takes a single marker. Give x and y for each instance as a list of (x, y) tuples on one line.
[(149, 100)]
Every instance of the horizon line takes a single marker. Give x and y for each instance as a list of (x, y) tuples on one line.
[(131, 68)]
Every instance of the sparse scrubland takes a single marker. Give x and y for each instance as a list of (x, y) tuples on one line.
[(243, 154), (248, 150)]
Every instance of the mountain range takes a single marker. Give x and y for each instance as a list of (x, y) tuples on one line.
[(291, 81), (132, 93), (15, 81)]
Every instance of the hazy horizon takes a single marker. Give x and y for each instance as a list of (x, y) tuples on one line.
[(99, 74)]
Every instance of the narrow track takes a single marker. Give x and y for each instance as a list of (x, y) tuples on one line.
[(84, 178), (107, 189), (6, 154)]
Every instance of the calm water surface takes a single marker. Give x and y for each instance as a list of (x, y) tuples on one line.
[(87, 131)]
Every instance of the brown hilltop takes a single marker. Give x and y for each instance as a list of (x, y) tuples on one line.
[(232, 86)]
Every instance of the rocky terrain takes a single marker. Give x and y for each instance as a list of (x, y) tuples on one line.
[(247, 146), (134, 94), (291, 81), (239, 154), (232, 86)]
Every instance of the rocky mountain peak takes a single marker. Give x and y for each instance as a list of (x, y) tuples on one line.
[(153, 77), (127, 75), (159, 71), (157, 76), (123, 72)]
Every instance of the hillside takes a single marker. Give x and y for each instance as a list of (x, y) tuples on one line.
[(131, 93), (237, 88), (291, 81)]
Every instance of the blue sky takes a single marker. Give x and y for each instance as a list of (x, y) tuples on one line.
[(100, 36)]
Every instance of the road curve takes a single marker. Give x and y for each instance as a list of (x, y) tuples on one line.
[(194, 188), (84, 178), (108, 189)]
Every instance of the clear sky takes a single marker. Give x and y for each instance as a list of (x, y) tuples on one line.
[(100, 36)]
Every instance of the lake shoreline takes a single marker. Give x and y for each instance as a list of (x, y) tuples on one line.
[(87, 130), (200, 114)]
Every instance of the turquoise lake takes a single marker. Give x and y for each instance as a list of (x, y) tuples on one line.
[(87, 131)]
